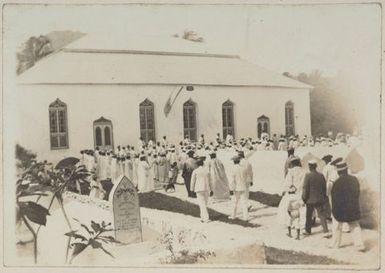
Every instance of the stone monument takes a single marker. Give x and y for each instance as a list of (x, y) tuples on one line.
[(126, 211)]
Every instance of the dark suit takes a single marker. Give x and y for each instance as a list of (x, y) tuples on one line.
[(314, 196), (188, 167), (345, 199)]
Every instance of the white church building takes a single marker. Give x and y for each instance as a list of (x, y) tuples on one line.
[(104, 92)]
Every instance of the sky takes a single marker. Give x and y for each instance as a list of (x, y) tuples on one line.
[(339, 40), (331, 38)]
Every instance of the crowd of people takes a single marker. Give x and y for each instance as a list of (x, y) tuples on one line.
[(332, 194)]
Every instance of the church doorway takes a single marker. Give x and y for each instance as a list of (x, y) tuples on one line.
[(263, 125)]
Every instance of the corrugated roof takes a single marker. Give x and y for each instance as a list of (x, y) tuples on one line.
[(150, 60)]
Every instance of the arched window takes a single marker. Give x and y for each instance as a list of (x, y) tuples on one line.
[(107, 136), (58, 125), (103, 137), (189, 120), (98, 136), (289, 118), (263, 125), (147, 122), (228, 118)]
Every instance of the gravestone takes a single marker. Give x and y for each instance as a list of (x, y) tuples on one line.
[(126, 211)]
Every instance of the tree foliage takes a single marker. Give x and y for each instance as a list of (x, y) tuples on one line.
[(24, 157), (32, 51), (331, 106)]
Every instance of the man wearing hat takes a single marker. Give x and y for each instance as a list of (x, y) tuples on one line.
[(188, 167), (346, 207), (238, 185), (282, 144), (201, 185), (314, 196)]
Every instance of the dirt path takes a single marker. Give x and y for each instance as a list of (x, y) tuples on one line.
[(275, 236)]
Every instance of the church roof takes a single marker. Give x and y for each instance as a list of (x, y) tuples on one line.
[(80, 63)]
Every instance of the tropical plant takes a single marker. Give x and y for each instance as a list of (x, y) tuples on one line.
[(94, 237), (40, 179), (30, 184), (177, 244)]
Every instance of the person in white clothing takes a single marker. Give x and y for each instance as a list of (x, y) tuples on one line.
[(96, 191), (229, 139), (164, 142), (114, 168), (140, 144), (330, 174), (143, 173), (293, 180), (247, 173), (238, 186), (201, 185)]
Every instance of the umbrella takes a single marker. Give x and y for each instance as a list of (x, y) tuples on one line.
[(67, 162), (355, 161), (309, 156)]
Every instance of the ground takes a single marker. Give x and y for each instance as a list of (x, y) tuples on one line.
[(261, 240)]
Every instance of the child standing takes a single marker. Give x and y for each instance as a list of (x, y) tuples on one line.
[(294, 206), (172, 177)]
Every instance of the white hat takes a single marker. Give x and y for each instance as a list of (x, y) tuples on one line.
[(312, 162)]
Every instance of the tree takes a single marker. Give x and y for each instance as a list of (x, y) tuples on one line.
[(331, 107), (24, 157), (32, 51)]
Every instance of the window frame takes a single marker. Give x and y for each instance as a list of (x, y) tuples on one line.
[(228, 108), (289, 113), (55, 108), (146, 114), (190, 116)]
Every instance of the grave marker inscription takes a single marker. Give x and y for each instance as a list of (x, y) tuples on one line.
[(126, 212)]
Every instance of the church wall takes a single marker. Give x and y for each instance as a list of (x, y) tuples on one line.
[(120, 104)]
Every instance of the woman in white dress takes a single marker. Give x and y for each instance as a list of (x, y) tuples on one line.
[(143, 173), (96, 191), (114, 169), (295, 177)]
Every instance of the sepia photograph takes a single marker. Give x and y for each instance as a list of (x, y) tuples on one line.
[(222, 136)]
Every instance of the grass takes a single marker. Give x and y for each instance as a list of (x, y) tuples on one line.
[(281, 256), (271, 200), (156, 200)]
